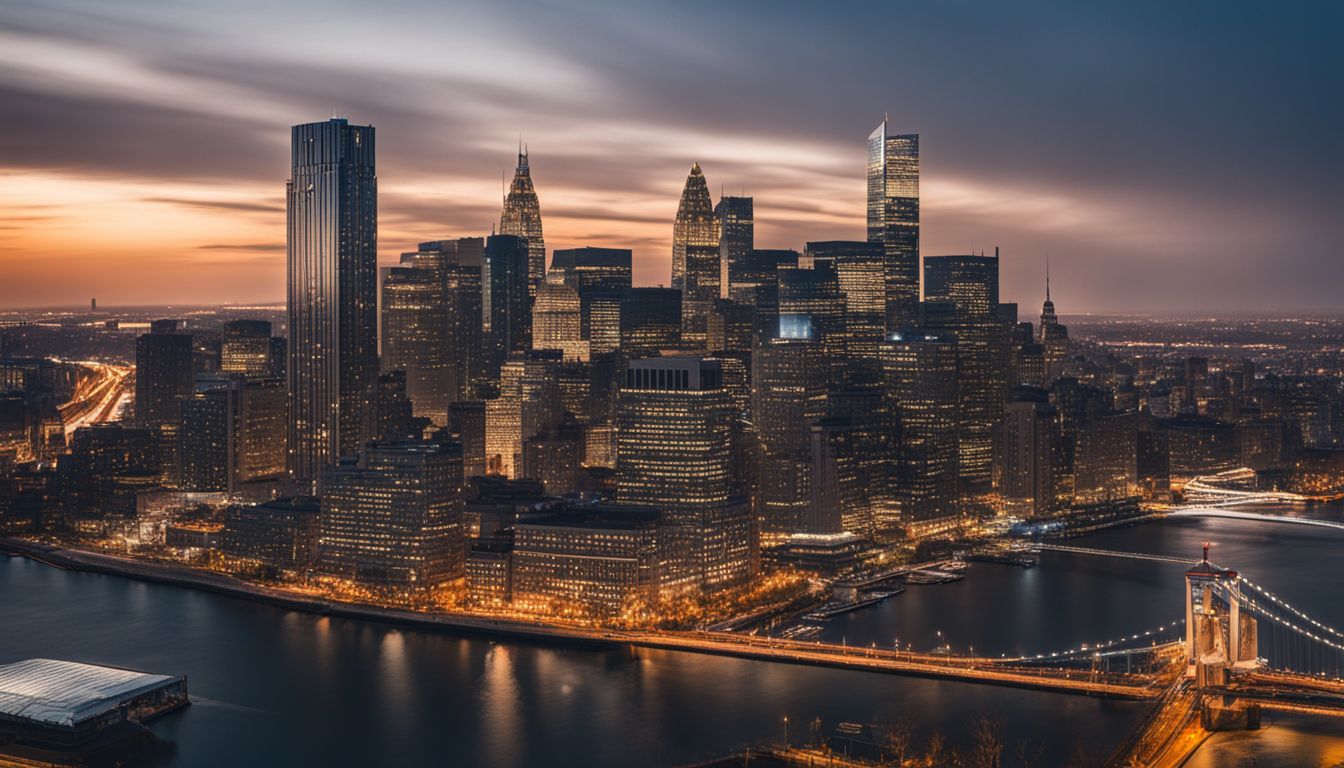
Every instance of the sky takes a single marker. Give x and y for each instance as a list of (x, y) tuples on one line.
[(1166, 157)]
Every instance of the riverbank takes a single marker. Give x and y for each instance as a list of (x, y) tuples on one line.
[(720, 644)]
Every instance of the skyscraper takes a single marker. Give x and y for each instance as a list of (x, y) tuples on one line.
[(650, 320), (695, 256), (557, 320), (245, 348), (893, 218), (737, 235), (506, 310), (163, 378), (522, 217), (1054, 338), (787, 398), (394, 520), (1029, 453), (920, 374), (861, 269), (415, 335), (332, 255), (674, 454), (970, 285)]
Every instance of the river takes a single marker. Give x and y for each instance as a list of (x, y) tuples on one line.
[(272, 686)]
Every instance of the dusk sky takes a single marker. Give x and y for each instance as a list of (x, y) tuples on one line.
[(1166, 156)]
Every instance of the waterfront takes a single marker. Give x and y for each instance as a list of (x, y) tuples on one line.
[(288, 686)]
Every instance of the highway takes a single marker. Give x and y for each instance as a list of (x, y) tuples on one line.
[(1255, 516), (98, 396)]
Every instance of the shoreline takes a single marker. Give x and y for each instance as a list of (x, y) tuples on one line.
[(541, 633)]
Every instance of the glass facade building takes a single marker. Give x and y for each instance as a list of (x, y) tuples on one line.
[(332, 257), (695, 257), (893, 218)]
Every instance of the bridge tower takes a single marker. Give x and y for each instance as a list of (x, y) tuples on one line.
[(1216, 632)]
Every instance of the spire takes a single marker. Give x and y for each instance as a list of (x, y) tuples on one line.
[(1047, 277)]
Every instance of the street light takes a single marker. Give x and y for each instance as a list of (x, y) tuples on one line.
[(786, 733)]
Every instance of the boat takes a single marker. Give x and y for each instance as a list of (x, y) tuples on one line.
[(932, 577), (833, 609)]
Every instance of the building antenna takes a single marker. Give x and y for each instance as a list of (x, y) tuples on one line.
[(1047, 277)]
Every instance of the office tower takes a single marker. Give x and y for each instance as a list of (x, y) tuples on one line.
[(1053, 338), (737, 236), (600, 320), (864, 432), (920, 374), (753, 280), (552, 458), (521, 217), (557, 320), (1028, 467), (589, 268), (506, 310), (969, 286), (432, 323), (893, 218), (393, 413), (466, 422), (757, 268), (787, 397), (606, 371), (393, 521), (245, 348), (460, 263), (650, 320), (281, 534), (861, 269), (163, 378), (586, 561), (258, 450), (1104, 465), (279, 358), (812, 306), (674, 454), (332, 255), (529, 402), (415, 330), (203, 442), (100, 456), (695, 257)]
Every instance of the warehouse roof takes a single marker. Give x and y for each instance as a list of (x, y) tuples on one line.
[(65, 693)]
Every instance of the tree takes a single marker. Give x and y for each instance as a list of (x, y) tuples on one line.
[(987, 747)]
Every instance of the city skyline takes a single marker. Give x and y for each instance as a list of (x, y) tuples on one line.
[(1003, 165)]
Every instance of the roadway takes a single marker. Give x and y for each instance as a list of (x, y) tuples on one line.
[(1233, 514), (98, 395)]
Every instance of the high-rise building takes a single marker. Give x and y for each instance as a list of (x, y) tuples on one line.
[(163, 378), (394, 519), (245, 348), (1053, 338), (432, 319), (506, 310), (459, 262), (466, 422), (1028, 473), (787, 398), (893, 218), (861, 270), (674, 454), (521, 217), (594, 269), (812, 306), (650, 320), (695, 257), (415, 335), (920, 374), (557, 319), (969, 285), (332, 255), (529, 403), (737, 235)]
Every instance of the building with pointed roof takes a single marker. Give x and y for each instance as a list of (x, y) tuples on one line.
[(521, 217)]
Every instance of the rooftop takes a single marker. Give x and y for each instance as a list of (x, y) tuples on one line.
[(65, 693)]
